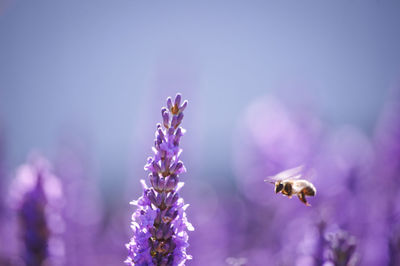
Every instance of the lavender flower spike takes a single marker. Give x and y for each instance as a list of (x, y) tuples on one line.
[(159, 223), (37, 197)]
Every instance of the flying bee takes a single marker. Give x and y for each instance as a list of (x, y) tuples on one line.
[(290, 182)]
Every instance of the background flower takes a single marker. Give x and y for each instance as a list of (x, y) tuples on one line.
[(37, 197)]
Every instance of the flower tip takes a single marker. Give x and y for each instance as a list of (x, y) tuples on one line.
[(178, 99), (190, 227), (169, 103), (184, 104), (143, 184), (179, 186), (182, 170)]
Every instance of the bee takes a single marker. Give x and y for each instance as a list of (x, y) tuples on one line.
[(290, 182)]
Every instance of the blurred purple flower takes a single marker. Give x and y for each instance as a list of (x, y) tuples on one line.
[(345, 165), (159, 223), (272, 136), (394, 247), (310, 249), (341, 249), (37, 196), (384, 243), (82, 211), (2, 170)]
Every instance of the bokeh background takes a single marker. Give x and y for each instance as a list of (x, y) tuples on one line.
[(271, 85)]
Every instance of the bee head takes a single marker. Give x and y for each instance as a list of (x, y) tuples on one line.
[(278, 187)]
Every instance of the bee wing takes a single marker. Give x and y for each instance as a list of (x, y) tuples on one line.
[(293, 173), (310, 174), (269, 180)]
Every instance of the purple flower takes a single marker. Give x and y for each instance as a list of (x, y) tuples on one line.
[(159, 223), (394, 247), (37, 196), (82, 210), (386, 186), (341, 249)]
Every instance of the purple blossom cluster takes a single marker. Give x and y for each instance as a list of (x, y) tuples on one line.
[(37, 196), (159, 223)]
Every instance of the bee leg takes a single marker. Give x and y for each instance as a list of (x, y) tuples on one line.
[(303, 199)]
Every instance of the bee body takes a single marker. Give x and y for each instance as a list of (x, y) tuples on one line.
[(288, 183)]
